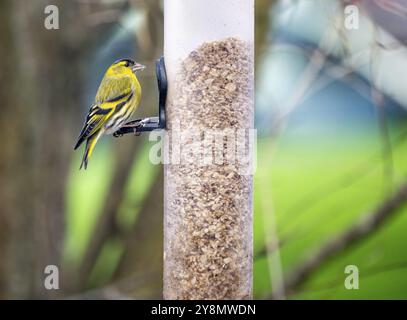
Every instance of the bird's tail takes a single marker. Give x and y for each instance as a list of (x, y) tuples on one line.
[(90, 145)]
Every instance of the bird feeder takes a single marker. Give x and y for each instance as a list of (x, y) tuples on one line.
[(208, 184)]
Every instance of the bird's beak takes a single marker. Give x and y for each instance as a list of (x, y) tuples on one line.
[(137, 67)]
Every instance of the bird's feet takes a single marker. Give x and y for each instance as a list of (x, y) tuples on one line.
[(117, 134), (144, 121), (135, 132), (132, 126), (141, 123)]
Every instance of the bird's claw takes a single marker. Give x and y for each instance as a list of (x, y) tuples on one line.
[(144, 121), (141, 123), (135, 132), (117, 134), (133, 126)]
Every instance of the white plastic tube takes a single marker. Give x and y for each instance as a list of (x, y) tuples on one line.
[(208, 49), (188, 24)]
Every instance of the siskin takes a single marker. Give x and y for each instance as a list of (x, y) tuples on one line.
[(116, 100)]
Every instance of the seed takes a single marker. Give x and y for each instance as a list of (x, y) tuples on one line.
[(230, 87)]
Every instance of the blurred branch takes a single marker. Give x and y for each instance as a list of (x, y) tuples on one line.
[(122, 289), (105, 16), (339, 71), (377, 98), (324, 191), (353, 236), (150, 35), (322, 59), (106, 293), (269, 247), (275, 268), (367, 272), (262, 15), (310, 74), (393, 7), (106, 224), (35, 164), (144, 245)]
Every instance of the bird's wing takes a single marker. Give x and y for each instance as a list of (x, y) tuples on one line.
[(94, 121), (113, 89), (112, 93)]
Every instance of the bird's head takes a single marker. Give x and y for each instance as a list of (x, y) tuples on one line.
[(125, 66)]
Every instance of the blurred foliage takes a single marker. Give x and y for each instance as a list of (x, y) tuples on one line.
[(319, 188)]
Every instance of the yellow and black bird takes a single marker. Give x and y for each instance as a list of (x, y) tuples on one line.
[(116, 100)]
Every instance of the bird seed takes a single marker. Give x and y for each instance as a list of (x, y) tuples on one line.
[(208, 205)]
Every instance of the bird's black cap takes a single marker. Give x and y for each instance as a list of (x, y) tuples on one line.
[(125, 60)]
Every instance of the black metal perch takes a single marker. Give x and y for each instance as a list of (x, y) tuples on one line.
[(151, 123)]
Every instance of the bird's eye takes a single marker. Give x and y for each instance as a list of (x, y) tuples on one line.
[(126, 64)]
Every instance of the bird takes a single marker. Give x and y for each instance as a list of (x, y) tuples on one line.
[(117, 98)]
